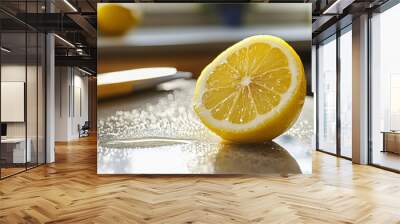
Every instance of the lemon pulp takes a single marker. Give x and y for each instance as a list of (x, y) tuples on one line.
[(253, 91)]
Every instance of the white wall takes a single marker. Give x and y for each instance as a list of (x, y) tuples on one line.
[(50, 95), (82, 82), (62, 81), (14, 72), (13, 101), (70, 83), (33, 126)]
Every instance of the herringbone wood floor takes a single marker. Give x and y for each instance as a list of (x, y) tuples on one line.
[(70, 191)]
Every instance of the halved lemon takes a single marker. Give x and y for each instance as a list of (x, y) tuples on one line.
[(253, 91)]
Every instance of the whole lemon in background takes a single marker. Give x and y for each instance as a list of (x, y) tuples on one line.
[(253, 91), (115, 19)]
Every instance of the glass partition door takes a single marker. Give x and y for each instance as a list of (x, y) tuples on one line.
[(22, 78), (14, 145)]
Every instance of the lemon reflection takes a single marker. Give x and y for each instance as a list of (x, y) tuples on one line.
[(264, 158)]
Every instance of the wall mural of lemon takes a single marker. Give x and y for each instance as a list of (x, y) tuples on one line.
[(115, 19), (253, 91)]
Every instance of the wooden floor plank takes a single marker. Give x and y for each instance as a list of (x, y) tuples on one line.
[(70, 191)]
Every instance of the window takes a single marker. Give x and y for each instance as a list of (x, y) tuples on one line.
[(326, 91), (346, 92), (334, 106), (385, 89)]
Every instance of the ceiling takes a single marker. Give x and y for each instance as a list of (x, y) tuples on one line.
[(76, 22), (332, 15)]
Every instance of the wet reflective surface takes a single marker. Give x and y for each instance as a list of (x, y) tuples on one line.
[(157, 132)]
